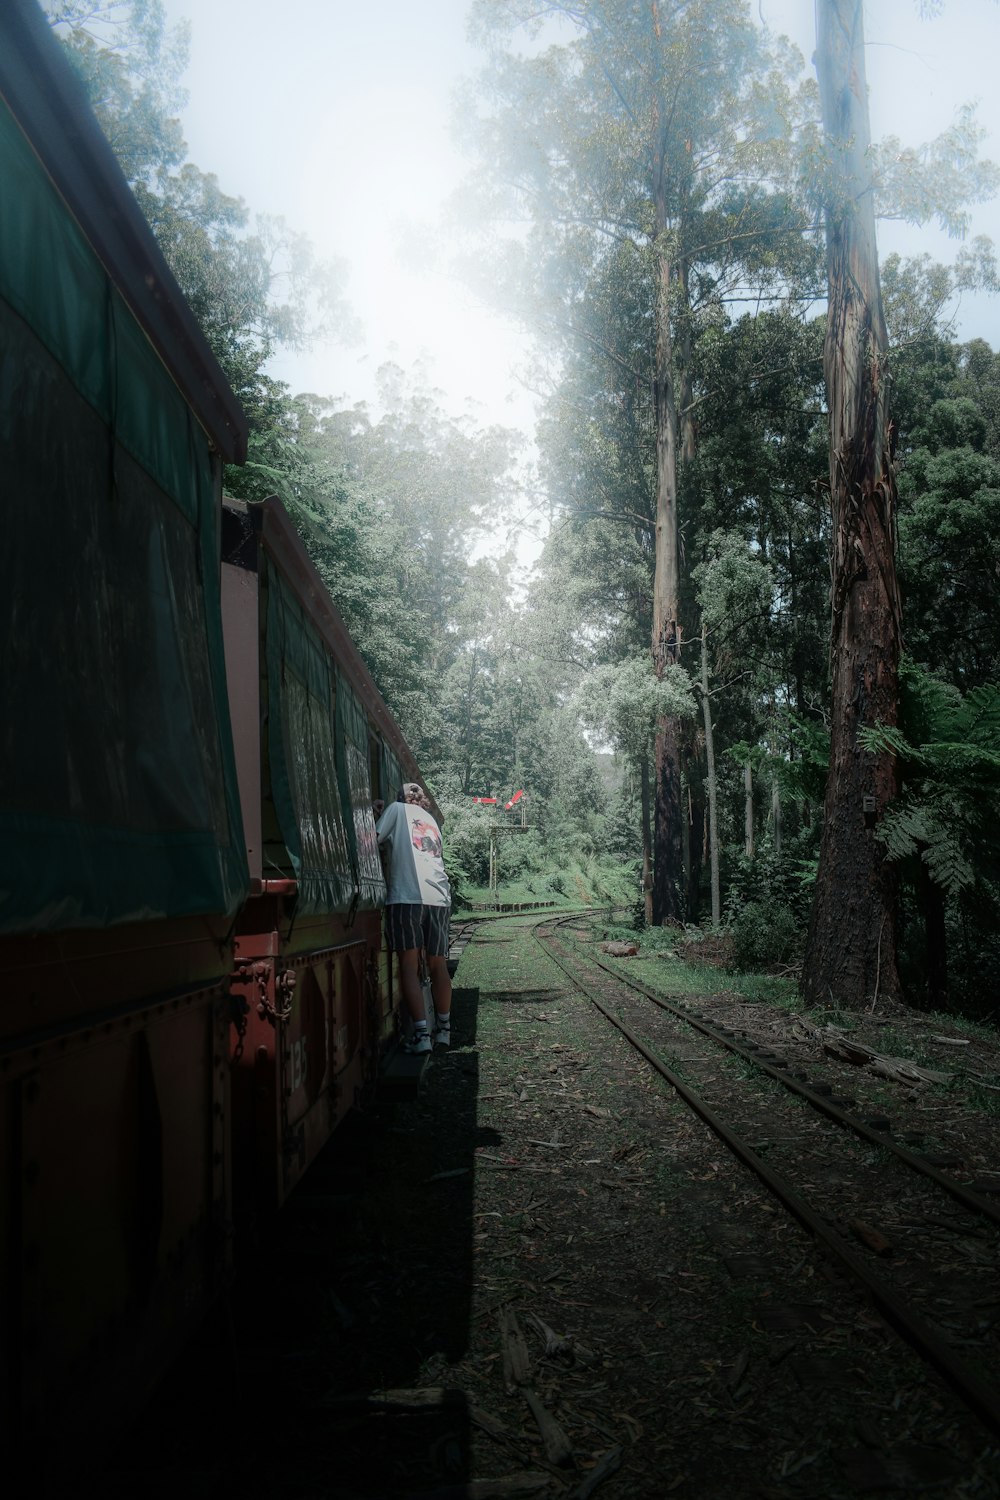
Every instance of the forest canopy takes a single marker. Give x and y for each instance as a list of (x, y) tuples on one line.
[(663, 190)]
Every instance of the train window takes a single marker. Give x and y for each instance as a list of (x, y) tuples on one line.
[(353, 748), (302, 753)]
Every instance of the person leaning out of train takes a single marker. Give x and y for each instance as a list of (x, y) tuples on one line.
[(418, 909)]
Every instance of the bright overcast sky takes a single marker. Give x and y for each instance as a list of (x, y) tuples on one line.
[(336, 114)]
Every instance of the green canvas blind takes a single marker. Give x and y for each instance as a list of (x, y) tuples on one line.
[(118, 793), (303, 754), (390, 772), (355, 772)]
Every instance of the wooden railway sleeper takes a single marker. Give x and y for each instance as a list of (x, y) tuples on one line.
[(821, 1096), (980, 1395)]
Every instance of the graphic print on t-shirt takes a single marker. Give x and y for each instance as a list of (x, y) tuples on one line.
[(412, 840), (426, 837)]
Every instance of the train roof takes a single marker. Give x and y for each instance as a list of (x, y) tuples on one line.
[(49, 104)]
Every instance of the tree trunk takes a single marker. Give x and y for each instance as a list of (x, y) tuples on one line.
[(850, 954), (647, 859), (668, 813), (666, 642), (748, 809), (467, 737), (696, 820), (713, 825), (687, 842), (935, 932), (776, 817)]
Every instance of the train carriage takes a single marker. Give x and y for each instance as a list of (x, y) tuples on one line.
[(193, 988), (122, 860), (315, 745)]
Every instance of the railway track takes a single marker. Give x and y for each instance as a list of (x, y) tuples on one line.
[(674, 1328), (923, 1247)]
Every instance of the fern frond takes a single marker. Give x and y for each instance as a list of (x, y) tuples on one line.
[(947, 865), (881, 739), (963, 762), (935, 832), (904, 828), (981, 715), (927, 704)]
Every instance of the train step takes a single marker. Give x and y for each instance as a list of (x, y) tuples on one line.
[(400, 1074)]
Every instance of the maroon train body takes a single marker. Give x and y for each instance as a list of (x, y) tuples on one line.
[(312, 984), (194, 987)]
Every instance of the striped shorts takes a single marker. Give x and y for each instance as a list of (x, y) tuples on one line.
[(409, 925)]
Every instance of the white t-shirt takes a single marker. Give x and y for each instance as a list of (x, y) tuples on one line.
[(416, 869)]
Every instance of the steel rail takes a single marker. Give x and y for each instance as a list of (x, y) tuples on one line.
[(978, 1395), (967, 1197)]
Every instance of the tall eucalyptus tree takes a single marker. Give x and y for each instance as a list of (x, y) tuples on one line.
[(852, 937), (646, 140)]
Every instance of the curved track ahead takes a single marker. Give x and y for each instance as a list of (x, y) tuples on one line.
[(909, 1297)]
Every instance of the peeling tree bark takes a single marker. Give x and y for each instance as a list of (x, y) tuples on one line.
[(850, 954), (668, 895)]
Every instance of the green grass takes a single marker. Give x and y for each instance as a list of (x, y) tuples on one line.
[(764, 989), (950, 1025), (524, 966), (983, 1097), (676, 976), (587, 884), (518, 965), (515, 893)]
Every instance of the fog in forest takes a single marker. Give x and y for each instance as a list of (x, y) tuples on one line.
[(529, 329), (342, 118)]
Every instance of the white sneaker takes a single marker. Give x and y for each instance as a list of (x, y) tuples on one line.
[(419, 1042), (442, 1035)]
